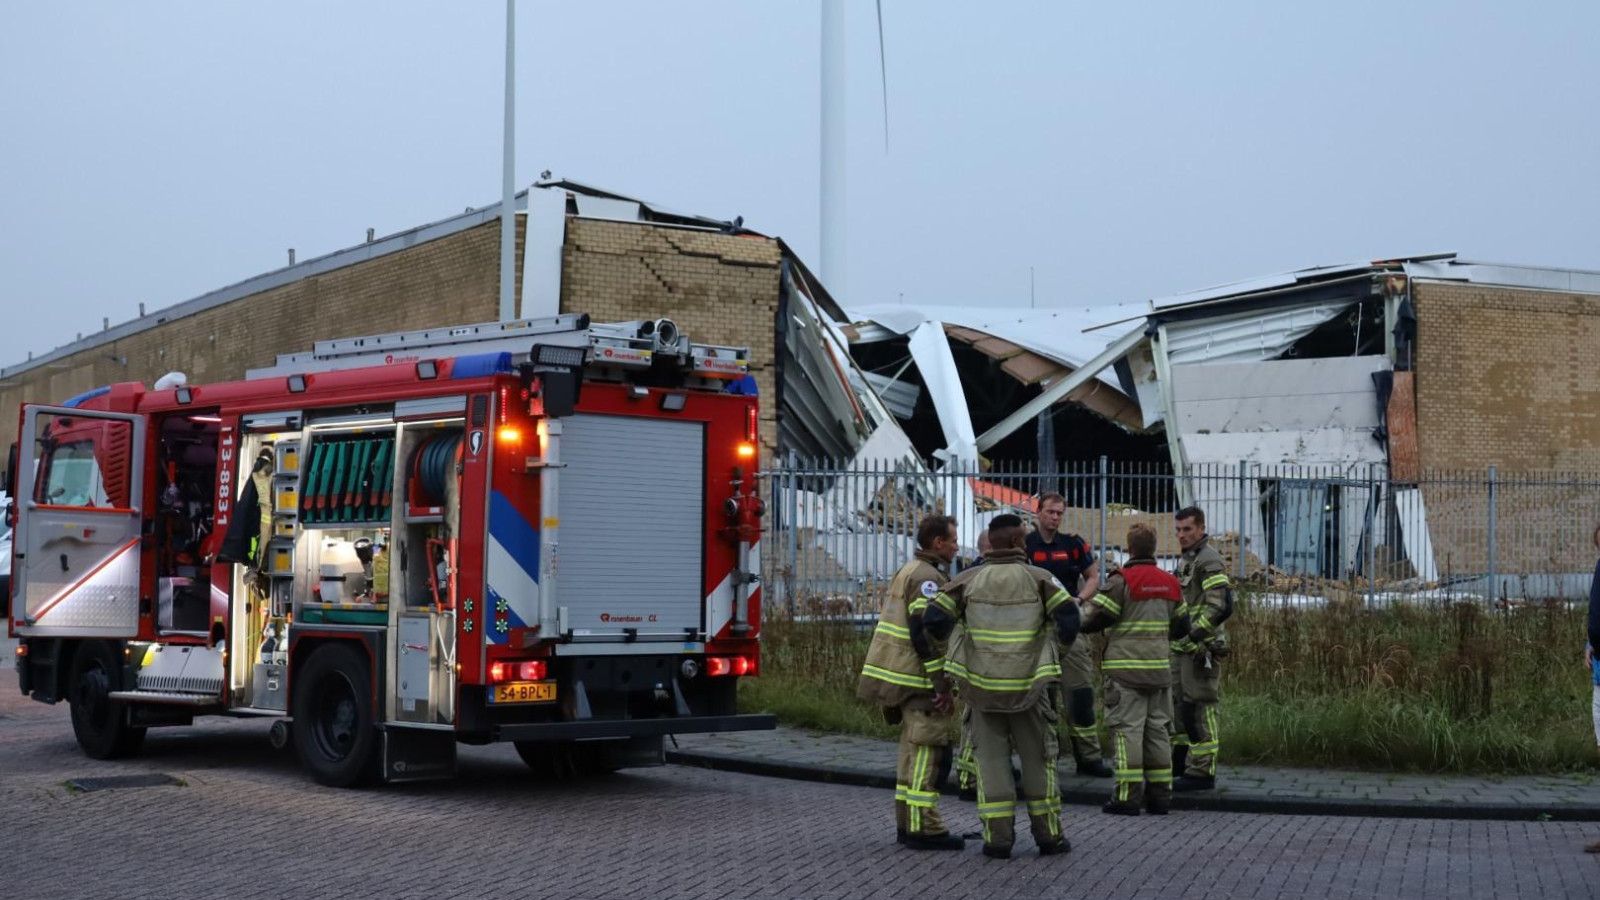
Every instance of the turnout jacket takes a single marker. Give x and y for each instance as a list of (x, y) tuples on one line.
[(1004, 657), (1207, 597), (1140, 610), (896, 674)]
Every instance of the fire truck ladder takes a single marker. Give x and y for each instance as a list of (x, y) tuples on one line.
[(623, 346)]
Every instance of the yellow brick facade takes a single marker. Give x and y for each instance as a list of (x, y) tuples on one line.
[(1507, 376), (719, 288)]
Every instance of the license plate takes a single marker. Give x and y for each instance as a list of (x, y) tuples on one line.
[(524, 692)]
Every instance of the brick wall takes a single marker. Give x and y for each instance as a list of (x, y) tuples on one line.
[(452, 280), (719, 288), (1507, 377)]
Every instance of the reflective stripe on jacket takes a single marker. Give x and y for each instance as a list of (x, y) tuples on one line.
[(893, 674), (1005, 655), (1205, 583), (1140, 601)]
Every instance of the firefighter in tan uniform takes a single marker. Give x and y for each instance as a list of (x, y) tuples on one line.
[(909, 683), (1197, 657), (1007, 663), (1139, 611)]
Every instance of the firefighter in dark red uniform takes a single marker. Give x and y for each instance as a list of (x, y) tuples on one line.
[(1069, 559)]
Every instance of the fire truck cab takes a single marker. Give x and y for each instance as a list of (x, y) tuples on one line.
[(543, 531)]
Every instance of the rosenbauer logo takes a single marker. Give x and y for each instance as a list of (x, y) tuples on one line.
[(608, 618)]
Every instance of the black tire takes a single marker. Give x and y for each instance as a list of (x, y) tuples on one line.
[(335, 733), (99, 722), (565, 760)]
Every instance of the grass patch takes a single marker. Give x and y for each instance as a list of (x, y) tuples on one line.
[(1447, 688)]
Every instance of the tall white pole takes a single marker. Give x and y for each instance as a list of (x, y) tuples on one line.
[(508, 215), (833, 148)]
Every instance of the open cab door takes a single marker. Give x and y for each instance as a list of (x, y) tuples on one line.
[(80, 481)]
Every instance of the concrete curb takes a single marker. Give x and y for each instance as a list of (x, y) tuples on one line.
[(1212, 801)]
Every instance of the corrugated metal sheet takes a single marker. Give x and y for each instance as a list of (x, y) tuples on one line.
[(900, 396), (1245, 336)]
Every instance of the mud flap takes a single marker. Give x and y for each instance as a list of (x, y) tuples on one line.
[(415, 754)]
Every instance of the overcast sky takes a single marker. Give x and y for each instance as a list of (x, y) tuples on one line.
[(154, 151)]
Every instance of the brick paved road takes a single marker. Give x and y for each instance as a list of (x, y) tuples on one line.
[(247, 824)]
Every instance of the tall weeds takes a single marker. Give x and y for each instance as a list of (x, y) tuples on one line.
[(1435, 688)]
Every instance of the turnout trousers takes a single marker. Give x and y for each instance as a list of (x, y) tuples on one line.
[(1142, 752), (1077, 679), (1195, 695), (924, 739), (1032, 731)]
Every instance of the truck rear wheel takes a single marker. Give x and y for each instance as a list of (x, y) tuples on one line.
[(100, 723), (335, 732)]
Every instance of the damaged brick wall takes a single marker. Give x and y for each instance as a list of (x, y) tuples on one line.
[(1507, 376), (449, 281), (719, 288)]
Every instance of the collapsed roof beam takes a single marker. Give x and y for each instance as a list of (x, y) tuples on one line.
[(1061, 388)]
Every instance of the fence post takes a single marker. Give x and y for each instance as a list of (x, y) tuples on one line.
[(1105, 496), (1244, 510), (1372, 534), (1493, 569), (791, 507)]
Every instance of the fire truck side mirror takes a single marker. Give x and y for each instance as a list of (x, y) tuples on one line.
[(561, 392)]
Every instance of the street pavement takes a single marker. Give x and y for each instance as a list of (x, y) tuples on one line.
[(244, 822)]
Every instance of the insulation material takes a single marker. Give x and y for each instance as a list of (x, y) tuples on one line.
[(1405, 459)]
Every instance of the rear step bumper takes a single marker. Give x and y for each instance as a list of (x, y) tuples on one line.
[(622, 728)]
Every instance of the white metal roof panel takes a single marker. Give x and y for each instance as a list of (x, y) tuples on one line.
[(1245, 336), (1053, 333), (1570, 280)]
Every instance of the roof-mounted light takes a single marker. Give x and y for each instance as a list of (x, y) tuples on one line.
[(556, 355)]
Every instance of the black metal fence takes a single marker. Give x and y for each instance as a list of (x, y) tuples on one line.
[(1299, 535)]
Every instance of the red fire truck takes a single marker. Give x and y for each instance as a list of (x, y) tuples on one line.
[(542, 531)]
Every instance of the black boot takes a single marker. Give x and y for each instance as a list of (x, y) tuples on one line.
[(1158, 798), (968, 794), (1195, 783), (1061, 846), (899, 835), (1094, 768), (1120, 808), (996, 851), (1180, 759), (935, 842)]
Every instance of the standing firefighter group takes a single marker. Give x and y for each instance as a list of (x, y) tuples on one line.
[(1007, 639)]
